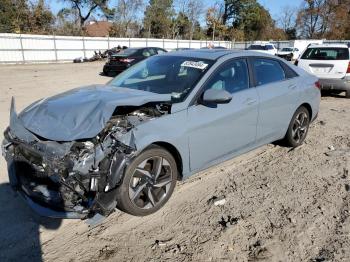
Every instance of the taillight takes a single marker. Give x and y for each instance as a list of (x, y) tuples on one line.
[(126, 60), (318, 85), (296, 62), (348, 71)]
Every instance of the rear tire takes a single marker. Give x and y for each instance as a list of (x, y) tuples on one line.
[(148, 183), (298, 128), (347, 94)]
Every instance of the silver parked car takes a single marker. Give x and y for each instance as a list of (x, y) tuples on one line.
[(125, 144)]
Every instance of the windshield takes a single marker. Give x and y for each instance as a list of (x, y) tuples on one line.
[(257, 47), (287, 49), (174, 75), (261, 47), (128, 51), (326, 53)]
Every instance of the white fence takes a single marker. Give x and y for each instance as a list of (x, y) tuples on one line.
[(19, 48)]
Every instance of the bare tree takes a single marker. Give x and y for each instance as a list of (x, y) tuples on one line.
[(85, 8), (193, 10), (214, 19), (126, 14), (313, 18), (287, 18)]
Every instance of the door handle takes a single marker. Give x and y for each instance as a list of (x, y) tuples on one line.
[(250, 101)]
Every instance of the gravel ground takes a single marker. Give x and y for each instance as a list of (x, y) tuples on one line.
[(281, 204)]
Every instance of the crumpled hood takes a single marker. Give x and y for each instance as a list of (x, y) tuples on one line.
[(81, 113)]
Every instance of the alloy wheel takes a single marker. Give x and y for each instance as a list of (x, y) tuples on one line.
[(300, 127), (150, 182)]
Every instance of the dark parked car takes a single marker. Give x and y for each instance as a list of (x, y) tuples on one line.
[(117, 63)]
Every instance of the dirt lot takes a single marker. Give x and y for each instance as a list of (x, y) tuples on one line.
[(281, 204)]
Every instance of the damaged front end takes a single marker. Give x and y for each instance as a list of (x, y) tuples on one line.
[(79, 178)]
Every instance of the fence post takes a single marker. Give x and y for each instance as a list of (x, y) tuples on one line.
[(20, 40), (108, 47), (84, 47), (54, 46), (177, 43), (163, 43)]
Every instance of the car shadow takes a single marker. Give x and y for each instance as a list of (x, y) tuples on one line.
[(20, 228), (103, 74), (331, 94)]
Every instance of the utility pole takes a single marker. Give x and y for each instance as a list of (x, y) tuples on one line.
[(214, 32)]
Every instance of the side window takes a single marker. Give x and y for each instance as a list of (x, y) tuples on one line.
[(147, 52), (268, 71), (160, 51), (153, 51), (232, 77)]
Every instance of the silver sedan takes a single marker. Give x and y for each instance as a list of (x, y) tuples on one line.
[(125, 144)]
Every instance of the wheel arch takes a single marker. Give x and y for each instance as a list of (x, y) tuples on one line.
[(175, 153), (308, 107)]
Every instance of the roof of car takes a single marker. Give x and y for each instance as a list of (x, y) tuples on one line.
[(210, 54), (329, 45), (214, 54)]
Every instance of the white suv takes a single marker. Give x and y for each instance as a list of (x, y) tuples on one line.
[(331, 64), (266, 48)]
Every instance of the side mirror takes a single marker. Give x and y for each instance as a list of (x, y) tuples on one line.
[(216, 96)]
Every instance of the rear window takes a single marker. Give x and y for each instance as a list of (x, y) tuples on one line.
[(261, 47), (129, 51), (326, 53)]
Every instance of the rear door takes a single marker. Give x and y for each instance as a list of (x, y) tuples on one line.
[(277, 88), (326, 62)]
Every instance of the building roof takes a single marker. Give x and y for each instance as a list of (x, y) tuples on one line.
[(98, 28)]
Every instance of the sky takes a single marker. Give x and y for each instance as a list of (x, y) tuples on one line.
[(274, 6)]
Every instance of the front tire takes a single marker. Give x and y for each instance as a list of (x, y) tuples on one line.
[(148, 183), (298, 128), (347, 94)]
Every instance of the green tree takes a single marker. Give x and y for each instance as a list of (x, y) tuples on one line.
[(250, 18), (41, 18), (158, 18), (182, 26), (14, 16)]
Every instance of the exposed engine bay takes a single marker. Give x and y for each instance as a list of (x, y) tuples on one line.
[(80, 177)]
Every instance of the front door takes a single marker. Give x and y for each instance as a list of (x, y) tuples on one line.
[(216, 132)]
